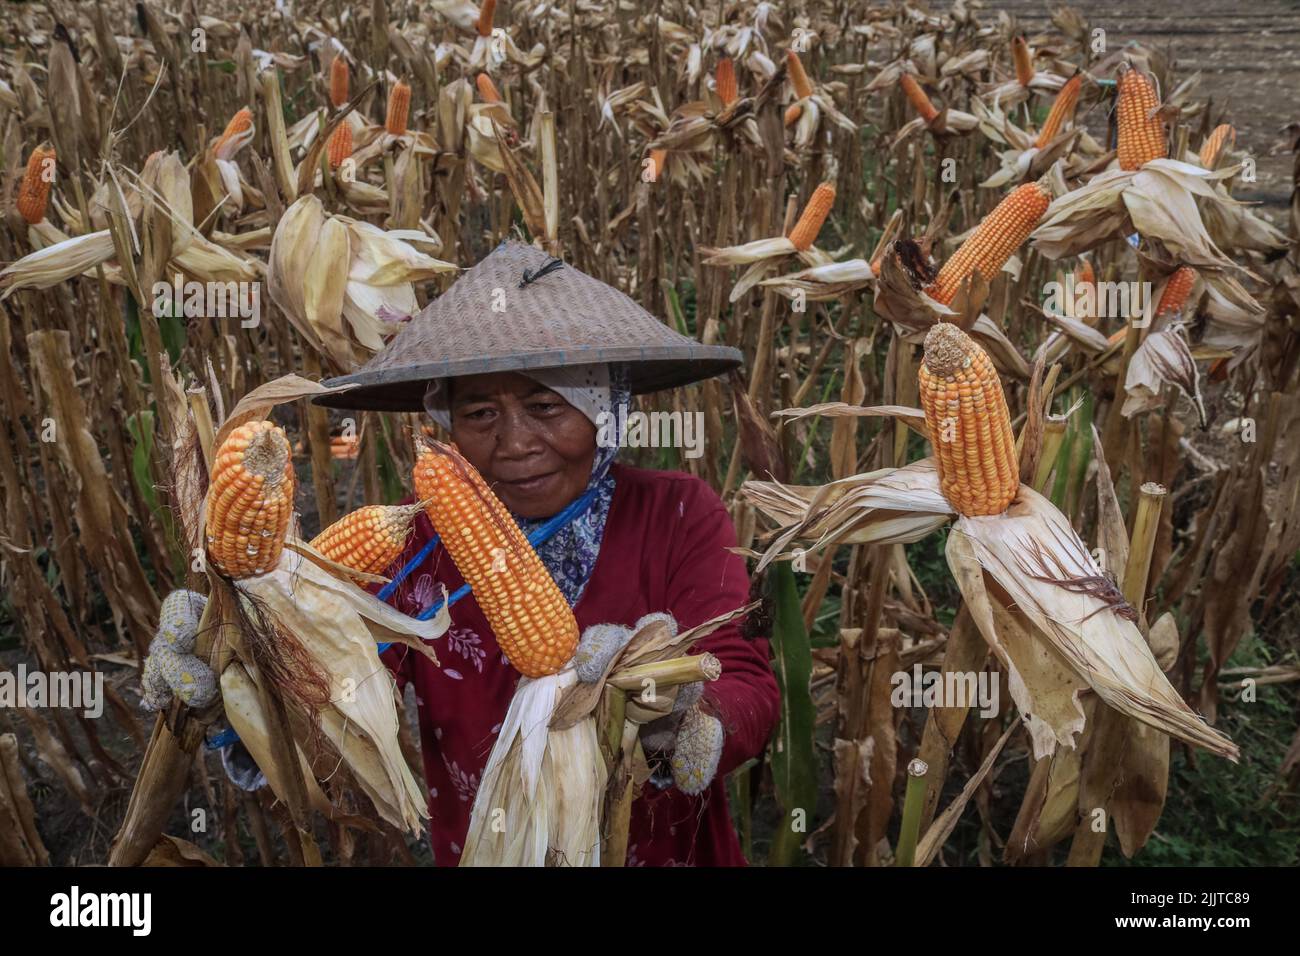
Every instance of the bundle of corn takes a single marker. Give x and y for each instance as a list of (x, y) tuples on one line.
[(548, 783), (1055, 621), (304, 632)]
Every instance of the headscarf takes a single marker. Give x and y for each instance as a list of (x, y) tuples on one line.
[(601, 393)]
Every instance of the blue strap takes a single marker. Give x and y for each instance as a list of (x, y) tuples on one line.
[(543, 533)]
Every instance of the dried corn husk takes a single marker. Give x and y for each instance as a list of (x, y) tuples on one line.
[(243, 707), (339, 624), (539, 800), (1163, 358)]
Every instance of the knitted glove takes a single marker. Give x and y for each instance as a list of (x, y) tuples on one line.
[(601, 643), (698, 750), (171, 668)]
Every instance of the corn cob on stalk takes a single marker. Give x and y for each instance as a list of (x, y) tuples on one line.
[(917, 97), (340, 144), (338, 80), (485, 15), (725, 78), (658, 159), (1062, 110), (399, 109), (34, 193), (238, 132), (813, 217), (1177, 289), (994, 240), (250, 500), (487, 89), (1141, 134), (1212, 149), (792, 114), (530, 617), (1023, 60), (370, 538), (803, 87), (970, 428)]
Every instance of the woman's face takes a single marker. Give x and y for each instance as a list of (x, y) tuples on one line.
[(532, 447)]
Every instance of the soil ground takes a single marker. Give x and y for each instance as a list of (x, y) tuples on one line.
[(1248, 56)]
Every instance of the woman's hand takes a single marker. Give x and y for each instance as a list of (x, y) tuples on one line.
[(673, 726)]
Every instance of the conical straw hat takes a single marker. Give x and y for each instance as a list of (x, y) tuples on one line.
[(494, 320)]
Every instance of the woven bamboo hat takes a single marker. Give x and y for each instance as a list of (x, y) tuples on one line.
[(519, 309)]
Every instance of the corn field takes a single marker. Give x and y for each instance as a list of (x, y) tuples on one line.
[(906, 217)]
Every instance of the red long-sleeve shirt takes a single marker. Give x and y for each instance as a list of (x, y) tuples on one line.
[(664, 549)]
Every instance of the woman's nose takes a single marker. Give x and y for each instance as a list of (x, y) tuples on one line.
[(517, 434)]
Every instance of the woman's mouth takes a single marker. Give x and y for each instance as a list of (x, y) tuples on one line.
[(530, 486)]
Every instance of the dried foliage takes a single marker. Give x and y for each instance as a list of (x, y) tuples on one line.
[(233, 200)]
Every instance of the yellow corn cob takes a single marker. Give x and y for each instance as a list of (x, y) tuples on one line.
[(798, 76), (340, 144), (238, 132), (725, 78), (1141, 135), (1214, 145), (1062, 110), (250, 500), (1024, 61), (370, 538), (814, 215), (34, 193), (532, 621), (792, 114), (487, 89), (485, 14), (338, 80), (916, 96), (658, 159), (1177, 289), (970, 428), (399, 109), (994, 240)]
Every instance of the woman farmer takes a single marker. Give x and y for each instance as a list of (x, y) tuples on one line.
[(529, 363)]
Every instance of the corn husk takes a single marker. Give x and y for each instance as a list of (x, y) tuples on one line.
[(243, 707), (325, 271), (1046, 610), (339, 624), (538, 803), (57, 263), (1163, 358), (1158, 201), (1052, 582)]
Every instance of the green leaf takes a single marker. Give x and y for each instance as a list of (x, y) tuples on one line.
[(794, 764)]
